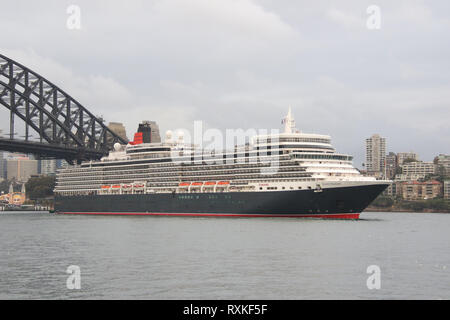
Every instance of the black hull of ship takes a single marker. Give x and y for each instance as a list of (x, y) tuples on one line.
[(338, 203)]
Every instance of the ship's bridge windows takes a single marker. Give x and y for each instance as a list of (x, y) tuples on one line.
[(299, 139), (294, 146), (321, 156)]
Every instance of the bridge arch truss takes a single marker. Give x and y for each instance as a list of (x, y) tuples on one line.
[(65, 128)]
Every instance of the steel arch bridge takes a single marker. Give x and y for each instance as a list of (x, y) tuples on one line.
[(65, 128)]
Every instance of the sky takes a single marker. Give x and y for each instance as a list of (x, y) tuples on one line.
[(241, 64)]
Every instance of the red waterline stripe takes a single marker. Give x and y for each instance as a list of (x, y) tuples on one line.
[(326, 216)]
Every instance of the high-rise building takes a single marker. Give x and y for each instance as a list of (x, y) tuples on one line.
[(47, 167), (402, 156), (422, 168), (375, 155), (150, 131), (119, 129), (416, 170), (443, 164), (2, 163), (391, 165), (21, 168), (2, 166), (61, 164)]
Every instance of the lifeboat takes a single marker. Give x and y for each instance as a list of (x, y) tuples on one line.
[(223, 183), (184, 184), (138, 186), (127, 186), (197, 183), (116, 186), (210, 183), (106, 187)]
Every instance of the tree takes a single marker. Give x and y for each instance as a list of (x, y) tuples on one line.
[(5, 184), (383, 202), (441, 172), (40, 187), (409, 160)]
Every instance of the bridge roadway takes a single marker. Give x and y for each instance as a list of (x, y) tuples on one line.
[(47, 150)]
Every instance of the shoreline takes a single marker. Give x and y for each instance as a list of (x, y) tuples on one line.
[(393, 209)]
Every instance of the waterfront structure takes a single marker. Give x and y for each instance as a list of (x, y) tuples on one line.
[(447, 189), (414, 190), (14, 198), (375, 155), (21, 168), (418, 169), (409, 177), (402, 156), (288, 174), (394, 190)]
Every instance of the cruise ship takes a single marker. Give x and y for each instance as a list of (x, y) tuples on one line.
[(285, 174)]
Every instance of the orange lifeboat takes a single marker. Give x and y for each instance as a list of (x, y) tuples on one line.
[(197, 183), (116, 186), (210, 183), (184, 184), (106, 187), (223, 182)]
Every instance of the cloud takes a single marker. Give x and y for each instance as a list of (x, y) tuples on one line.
[(240, 64), (103, 96), (346, 19), (235, 17)]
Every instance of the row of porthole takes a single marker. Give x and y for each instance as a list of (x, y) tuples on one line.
[(282, 188)]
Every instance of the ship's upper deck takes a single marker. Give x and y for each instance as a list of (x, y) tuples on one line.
[(291, 140)]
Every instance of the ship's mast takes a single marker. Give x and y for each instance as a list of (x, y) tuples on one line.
[(289, 122)]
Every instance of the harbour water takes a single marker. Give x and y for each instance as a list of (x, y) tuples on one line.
[(126, 257)]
